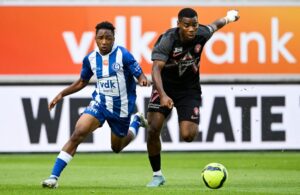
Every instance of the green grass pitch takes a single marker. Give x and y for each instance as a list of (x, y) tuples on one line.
[(128, 173)]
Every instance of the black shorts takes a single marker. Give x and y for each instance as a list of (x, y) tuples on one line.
[(187, 105)]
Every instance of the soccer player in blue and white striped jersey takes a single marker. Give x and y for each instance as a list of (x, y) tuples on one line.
[(113, 99)]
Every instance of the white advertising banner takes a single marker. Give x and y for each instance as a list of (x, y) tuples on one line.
[(232, 117)]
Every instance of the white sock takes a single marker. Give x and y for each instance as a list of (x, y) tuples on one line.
[(133, 131), (61, 162), (157, 173), (65, 156), (54, 176)]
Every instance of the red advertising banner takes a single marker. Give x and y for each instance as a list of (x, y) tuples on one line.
[(42, 40)]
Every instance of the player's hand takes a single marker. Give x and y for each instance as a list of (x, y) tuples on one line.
[(166, 101), (143, 81), (232, 16), (54, 101)]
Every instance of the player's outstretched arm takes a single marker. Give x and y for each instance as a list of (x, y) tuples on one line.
[(74, 87), (232, 16)]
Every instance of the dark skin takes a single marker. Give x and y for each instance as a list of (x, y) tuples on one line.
[(88, 123), (105, 40), (188, 130)]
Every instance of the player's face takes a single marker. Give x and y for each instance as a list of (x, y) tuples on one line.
[(105, 40), (188, 28)]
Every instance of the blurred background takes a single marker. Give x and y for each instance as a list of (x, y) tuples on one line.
[(250, 72)]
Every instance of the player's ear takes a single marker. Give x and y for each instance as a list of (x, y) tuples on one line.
[(177, 23)]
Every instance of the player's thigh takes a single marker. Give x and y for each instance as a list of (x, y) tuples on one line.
[(92, 117), (155, 121), (156, 114), (86, 124), (188, 128), (116, 141)]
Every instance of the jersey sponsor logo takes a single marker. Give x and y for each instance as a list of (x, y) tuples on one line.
[(137, 67), (177, 51), (109, 86), (105, 62), (185, 62)]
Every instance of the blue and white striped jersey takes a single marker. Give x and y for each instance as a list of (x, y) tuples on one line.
[(115, 89)]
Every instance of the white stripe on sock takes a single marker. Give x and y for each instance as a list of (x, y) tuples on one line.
[(133, 131), (65, 156), (54, 176)]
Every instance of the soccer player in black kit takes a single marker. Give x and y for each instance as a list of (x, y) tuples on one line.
[(175, 74)]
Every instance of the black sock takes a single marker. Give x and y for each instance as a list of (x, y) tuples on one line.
[(155, 162)]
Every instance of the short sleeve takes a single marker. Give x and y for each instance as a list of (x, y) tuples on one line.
[(206, 31), (131, 63), (86, 72), (162, 48)]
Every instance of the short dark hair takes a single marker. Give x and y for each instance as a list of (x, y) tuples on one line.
[(105, 25), (187, 12)]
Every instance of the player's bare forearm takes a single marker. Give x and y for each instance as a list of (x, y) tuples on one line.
[(232, 16), (156, 76), (218, 24), (74, 87)]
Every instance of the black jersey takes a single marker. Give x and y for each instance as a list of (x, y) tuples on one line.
[(181, 71)]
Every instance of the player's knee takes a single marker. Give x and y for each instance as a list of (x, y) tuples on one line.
[(153, 132), (189, 136)]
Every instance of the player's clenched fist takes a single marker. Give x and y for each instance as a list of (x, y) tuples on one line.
[(232, 16)]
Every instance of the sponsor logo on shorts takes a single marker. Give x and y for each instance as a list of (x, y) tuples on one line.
[(92, 109), (194, 117), (153, 106)]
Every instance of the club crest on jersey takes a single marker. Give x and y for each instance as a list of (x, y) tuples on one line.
[(197, 48), (116, 66)]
